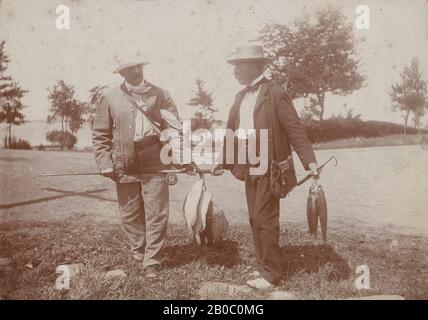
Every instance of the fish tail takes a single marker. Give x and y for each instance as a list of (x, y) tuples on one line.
[(321, 204), (312, 214)]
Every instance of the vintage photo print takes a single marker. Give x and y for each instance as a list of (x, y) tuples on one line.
[(213, 150)]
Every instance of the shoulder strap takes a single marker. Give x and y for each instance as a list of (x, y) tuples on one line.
[(153, 124)]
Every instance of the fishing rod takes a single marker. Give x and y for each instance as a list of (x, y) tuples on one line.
[(93, 173), (170, 174), (306, 178)]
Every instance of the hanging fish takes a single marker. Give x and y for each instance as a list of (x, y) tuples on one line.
[(321, 204), (206, 222), (311, 211), (317, 209)]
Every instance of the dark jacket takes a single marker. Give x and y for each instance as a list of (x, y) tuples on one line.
[(114, 126), (286, 128)]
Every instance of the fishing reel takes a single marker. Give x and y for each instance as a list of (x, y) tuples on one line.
[(171, 179)]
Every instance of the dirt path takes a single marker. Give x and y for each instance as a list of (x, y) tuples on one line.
[(384, 188)]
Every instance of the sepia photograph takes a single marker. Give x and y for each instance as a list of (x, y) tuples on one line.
[(213, 150)]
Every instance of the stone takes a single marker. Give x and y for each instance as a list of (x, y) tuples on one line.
[(281, 295), (379, 297), (115, 273), (72, 269), (220, 290), (5, 264)]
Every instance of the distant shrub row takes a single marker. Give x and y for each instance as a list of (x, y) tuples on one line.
[(329, 130), (16, 143), (335, 129)]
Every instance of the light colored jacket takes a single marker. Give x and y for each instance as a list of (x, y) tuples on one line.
[(113, 130)]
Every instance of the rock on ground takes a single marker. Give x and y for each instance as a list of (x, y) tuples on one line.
[(281, 295), (219, 290), (379, 297), (5, 264), (115, 273), (72, 269)]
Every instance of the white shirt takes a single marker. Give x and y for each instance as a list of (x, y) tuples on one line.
[(143, 127), (246, 110)]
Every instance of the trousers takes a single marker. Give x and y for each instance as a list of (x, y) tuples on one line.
[(263, 209), (144, 213)]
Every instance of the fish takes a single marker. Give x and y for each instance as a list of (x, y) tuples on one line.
[(216, 225), (312, 214), (321, 204), (206, 222), (317, 210)]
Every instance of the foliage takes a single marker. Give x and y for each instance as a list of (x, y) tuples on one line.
[(10, 97), (340, 127), (66, 138), (203, 118), (409, 95), (65, 108), (13, 143), (314, 56)]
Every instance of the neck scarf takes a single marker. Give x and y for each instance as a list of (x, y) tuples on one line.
[(141, 88)]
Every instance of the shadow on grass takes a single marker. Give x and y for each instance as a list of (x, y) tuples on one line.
[(223, 254), (63, 194), (310, 259), (13, 159)]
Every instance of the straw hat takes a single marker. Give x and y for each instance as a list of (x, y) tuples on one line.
[(248, 53), (126, 62)]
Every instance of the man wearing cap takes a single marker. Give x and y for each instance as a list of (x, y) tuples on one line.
[(252, 110), (125, 135)]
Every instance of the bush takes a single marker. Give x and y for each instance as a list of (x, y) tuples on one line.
[(16, 144), (343, 128), (56, 136)]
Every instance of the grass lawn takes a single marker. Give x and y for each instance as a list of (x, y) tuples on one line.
[(377, 217), (309, 272)]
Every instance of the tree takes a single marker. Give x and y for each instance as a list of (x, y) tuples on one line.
[(95, 95), (66, 138), (311, 111), (409, 95), (65, 108), (203, 118), (314, 58), (11, 94)]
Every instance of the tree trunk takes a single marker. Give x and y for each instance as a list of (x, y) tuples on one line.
[(10, 135), (65, 130), (321, 99), (406, 118), (62, 134)]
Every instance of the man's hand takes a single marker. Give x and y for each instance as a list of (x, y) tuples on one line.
[(109, 173), (217, 170), (190, 169), (313, 166)]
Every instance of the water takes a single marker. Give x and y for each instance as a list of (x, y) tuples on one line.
[(35, 133)]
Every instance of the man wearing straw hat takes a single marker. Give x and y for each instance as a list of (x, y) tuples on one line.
[(125, 136), (262, 105)]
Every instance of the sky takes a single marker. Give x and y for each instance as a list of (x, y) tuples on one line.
[(189, 39)]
